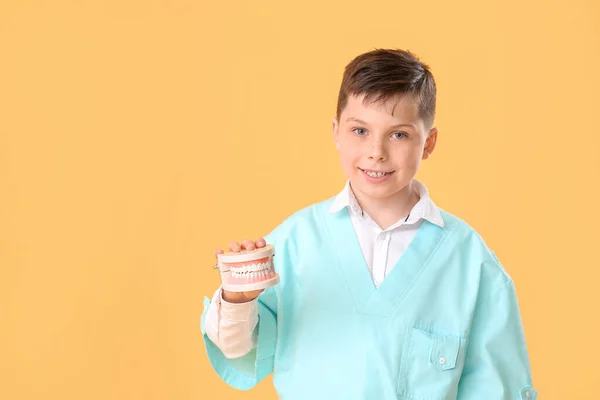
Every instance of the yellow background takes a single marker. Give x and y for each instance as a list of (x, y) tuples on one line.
[(138, 136)]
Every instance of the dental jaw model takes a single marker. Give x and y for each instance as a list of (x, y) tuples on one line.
[(248, 269)]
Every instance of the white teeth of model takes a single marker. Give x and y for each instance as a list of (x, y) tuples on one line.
[(376, 174), (256, 267)]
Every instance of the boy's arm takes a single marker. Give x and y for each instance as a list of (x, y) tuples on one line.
[(497, 362), (230, 325), (244, 371)]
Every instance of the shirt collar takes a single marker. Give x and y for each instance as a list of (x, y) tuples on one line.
[(425, 207)]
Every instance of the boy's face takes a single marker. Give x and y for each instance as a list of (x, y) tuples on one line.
[(382, 137)]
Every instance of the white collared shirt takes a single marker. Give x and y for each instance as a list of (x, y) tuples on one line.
[(230, 326)]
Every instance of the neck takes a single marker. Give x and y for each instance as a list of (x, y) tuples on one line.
[(387, 211)]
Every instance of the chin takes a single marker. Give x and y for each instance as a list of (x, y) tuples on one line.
[(381, 189)]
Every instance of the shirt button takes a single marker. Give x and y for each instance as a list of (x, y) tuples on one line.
[(528, 394), (442, 360)]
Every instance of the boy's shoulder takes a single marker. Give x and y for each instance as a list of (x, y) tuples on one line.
[(319, 208), (468, 239), (462, 237), (302, 218), (462, 232), (451, 221)]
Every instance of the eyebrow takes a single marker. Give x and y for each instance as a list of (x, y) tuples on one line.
[(393, 126)]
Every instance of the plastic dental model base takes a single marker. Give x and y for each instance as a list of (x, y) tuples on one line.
[(248, 269)]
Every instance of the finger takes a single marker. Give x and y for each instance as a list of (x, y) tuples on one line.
[(234, 246), (248, 244), (218, 251), (260, 242)]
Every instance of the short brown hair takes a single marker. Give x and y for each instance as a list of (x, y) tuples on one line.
[(382, 74)]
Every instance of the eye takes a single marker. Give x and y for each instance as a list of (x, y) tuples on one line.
[(359, 131), (400, 133)]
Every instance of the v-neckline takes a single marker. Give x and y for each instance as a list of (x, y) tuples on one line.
[(369, 299)]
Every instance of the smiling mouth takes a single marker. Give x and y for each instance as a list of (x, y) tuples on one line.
[(375, 174)]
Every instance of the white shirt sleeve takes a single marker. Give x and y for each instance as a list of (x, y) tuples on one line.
[(230, 326)]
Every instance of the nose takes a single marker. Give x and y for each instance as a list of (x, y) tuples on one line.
[(377, 151)]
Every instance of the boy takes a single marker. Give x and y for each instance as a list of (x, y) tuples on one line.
[(383, 295)]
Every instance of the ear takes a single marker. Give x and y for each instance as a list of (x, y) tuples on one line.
[(430, 143), (335, 126)]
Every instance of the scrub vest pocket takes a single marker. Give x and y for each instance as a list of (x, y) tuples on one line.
[(431, 365)]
